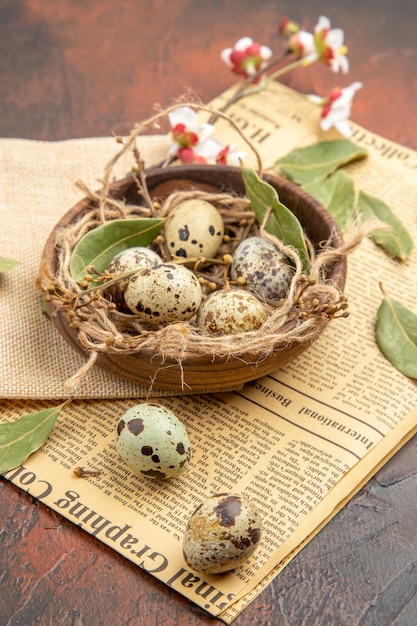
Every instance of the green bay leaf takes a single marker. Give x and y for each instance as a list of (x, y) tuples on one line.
[(101, 244), (397, 240), (396, 335), (337, 194), (18, 439), (319, 160), (7, 264), (282, 223)]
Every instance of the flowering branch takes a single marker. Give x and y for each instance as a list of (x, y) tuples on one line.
[(194, 143), (255, 61)]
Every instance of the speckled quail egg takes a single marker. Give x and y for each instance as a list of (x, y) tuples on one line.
[(136, 258), (266, 270), (195, 229), (164, 294), (222, 533), (152, 441), (229, 312)]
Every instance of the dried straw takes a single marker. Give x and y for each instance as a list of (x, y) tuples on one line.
[(300, 317)]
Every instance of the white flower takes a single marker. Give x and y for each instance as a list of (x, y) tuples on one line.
[(188, 117), (337, 107), (215, 151), (246, 57), (330, 46), (186, 132)]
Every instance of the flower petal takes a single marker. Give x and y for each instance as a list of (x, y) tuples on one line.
[(182, 115), (225, 56), (172, 150), (235, 158), (204, 131), (322, 24), (353, 88), (343, 127), (209, 148), (340, 62), (316, 99), (310, 58), (266, 53), (335, 38), (243, 43)]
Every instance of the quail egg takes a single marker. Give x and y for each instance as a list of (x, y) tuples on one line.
[(152, 441), (222, 533), (229, 312), (164, 294), (135, 258), (266, 270), (195, 229)]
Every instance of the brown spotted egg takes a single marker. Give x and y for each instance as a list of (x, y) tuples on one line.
[(222, 533), (164, 294), (194, 229), (229, 312), (265, 269), (136, 258), (152, 441)]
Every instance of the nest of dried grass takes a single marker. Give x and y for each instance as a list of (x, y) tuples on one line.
[(312, 301)]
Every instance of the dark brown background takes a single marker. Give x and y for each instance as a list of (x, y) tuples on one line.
[(74, 68)]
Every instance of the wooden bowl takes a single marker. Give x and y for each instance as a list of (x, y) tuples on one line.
[(199, 373)]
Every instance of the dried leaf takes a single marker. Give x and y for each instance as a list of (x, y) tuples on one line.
[(337, 195), (7, 264), (395, 241), (18, 439), (101, 244), (282, 223), (319, 160), (396, 335)]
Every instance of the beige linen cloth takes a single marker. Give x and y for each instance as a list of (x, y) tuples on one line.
[(37, 186)]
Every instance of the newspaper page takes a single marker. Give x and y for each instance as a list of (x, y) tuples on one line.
[(298, 443)]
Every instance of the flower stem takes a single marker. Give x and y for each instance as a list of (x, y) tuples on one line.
[(287, 68), (242, 89)]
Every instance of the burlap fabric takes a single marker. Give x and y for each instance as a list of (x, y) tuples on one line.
[(37, 186)]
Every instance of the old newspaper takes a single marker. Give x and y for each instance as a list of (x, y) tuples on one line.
[(299, 443)]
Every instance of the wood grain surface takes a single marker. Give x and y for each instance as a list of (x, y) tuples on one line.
[(74, 68)]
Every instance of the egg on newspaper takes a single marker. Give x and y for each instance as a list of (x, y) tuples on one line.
[(152, 441), (222, 533)]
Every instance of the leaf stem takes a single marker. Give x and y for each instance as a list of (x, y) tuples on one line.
[(381, 286)]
